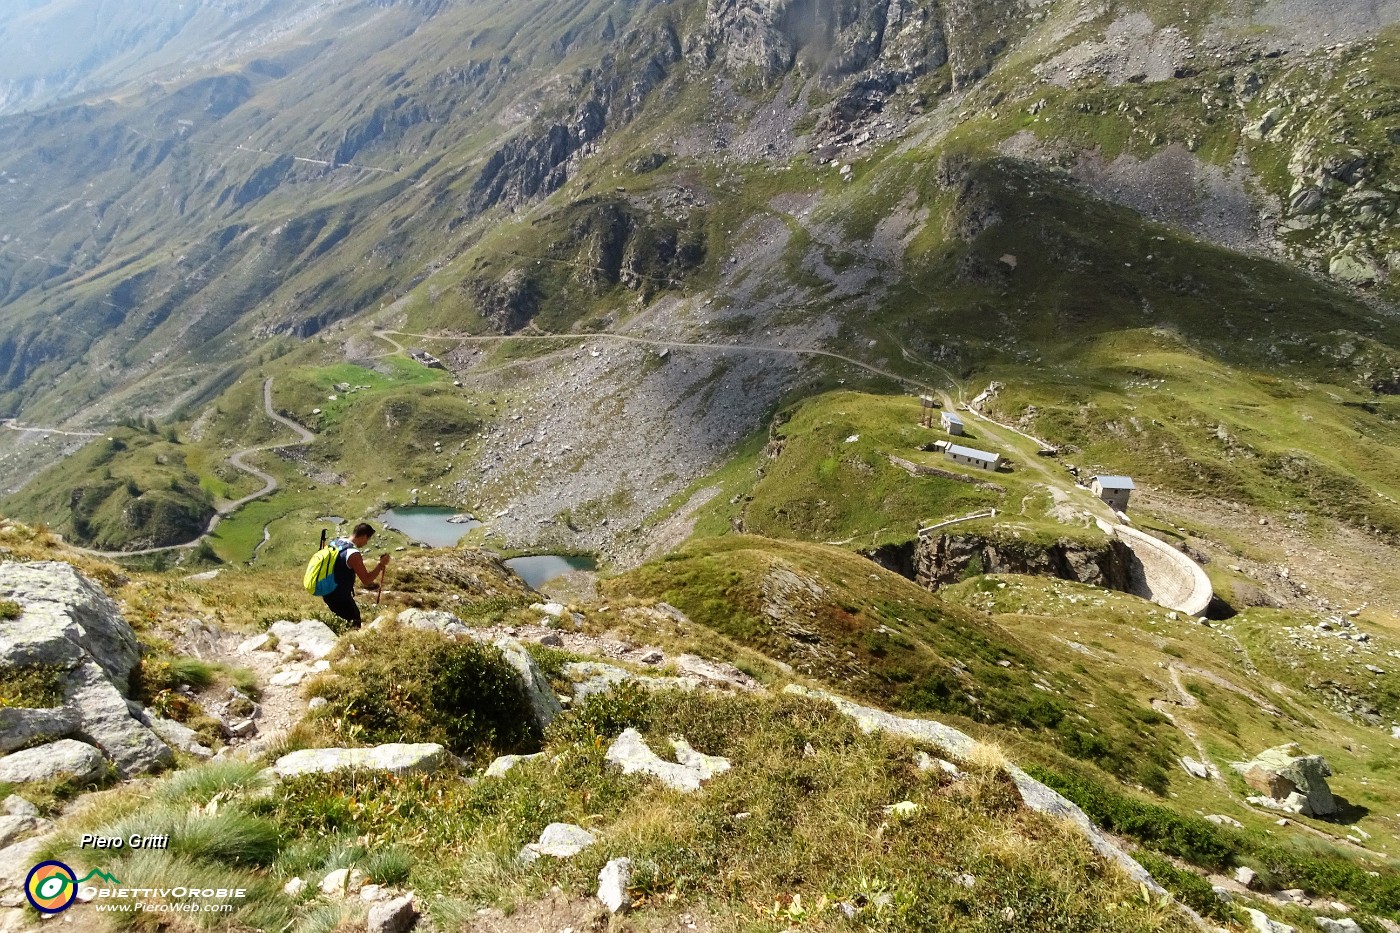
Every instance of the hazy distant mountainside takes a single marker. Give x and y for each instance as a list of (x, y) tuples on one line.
[(51, 50), (336, 154)]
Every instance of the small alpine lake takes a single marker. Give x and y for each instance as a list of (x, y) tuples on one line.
[(437, 526), (539, 569), (434, 526)]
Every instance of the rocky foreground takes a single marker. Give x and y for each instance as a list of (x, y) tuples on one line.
[(73, 723)]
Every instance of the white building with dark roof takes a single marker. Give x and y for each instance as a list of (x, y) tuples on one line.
[(951, 422), (969, 456), (1113, 489)]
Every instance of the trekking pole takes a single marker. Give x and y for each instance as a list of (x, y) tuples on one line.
[(383, 578)]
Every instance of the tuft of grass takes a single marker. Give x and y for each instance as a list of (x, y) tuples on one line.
[(224, 779), (229, 835), (9, 609)]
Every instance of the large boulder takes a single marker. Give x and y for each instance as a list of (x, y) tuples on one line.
[(544, 705), (396, 758), (64, 758), (66, 618), (1296, 781), (21, 728), (311, 637), (107, 721), (72, 628)]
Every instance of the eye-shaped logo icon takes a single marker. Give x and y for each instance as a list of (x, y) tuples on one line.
[(51, 887)]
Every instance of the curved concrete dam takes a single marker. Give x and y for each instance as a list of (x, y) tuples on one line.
[(1162, 573)]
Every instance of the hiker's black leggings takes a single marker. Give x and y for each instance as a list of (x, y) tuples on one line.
[(341, 601)]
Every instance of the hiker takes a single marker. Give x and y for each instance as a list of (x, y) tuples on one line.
[(349, 564)]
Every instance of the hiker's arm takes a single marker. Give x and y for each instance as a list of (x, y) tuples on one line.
[(357, 564)]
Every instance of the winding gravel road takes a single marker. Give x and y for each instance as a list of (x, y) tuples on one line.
[(236, 459)]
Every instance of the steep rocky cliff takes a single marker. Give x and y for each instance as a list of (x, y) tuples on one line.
[(936, 561)]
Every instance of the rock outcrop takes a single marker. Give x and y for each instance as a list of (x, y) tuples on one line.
[(947, 558), (1289, 781), (396, 758), (66, 758), (558, 840), (74, 634), (630, 752), (67, 619), (544, 705)]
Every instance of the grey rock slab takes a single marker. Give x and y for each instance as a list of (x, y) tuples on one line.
[(714, 672), (105, 720), (593, 677), (395, 757), (928, 731), (309, 636), (544, 705), (558, 840), (1195, 768), (20, 727), (77, 760), (12, 828), (66, 616), (18, 858), (1344, 925), (396, 916), (432, 620), (612, 885), (630, 752), (705, 766), (501, 765), (1262, 924), (15, 805), (175, 734)]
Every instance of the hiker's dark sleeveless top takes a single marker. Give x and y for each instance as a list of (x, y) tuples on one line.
[(344, 573)]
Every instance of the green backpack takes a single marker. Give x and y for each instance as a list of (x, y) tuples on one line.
[(319, 579)]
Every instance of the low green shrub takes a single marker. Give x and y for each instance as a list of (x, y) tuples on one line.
[(602, 716), (1327, 872), (1188, 887), (1187, 837), (9, 609), (405, 685)]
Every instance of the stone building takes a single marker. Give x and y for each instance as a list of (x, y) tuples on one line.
[(968, 456), (1113, 489)]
